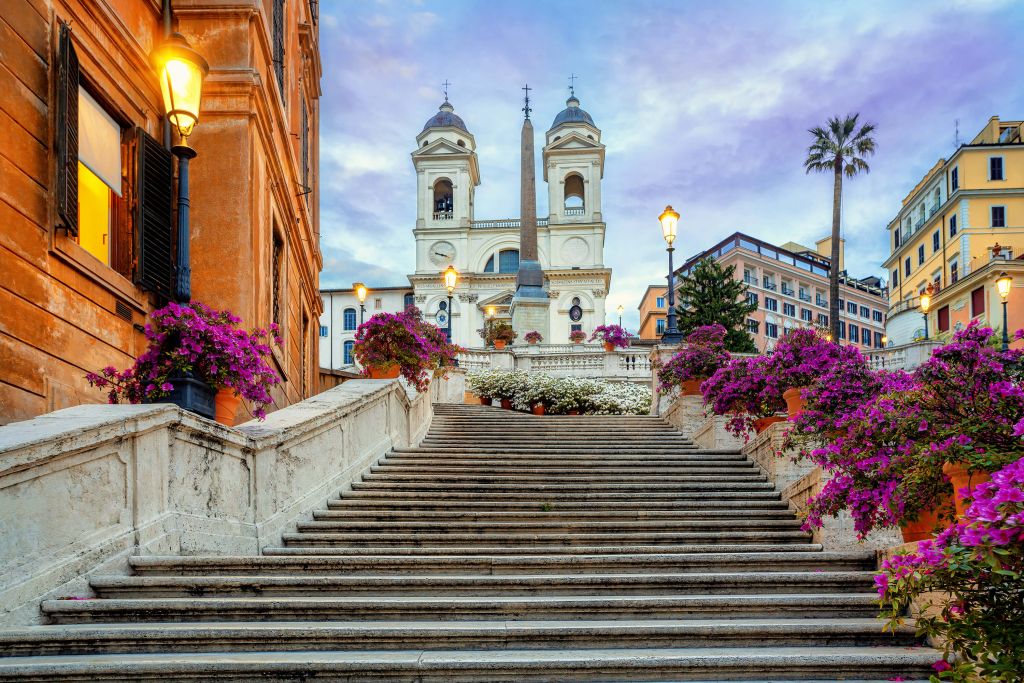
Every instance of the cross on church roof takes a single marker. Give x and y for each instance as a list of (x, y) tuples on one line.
[(572, 84), (444, 86), (527, 109)]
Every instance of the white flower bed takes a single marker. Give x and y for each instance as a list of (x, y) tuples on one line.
[(560, 395)]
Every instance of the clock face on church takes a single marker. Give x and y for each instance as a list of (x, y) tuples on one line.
[(442, 253)]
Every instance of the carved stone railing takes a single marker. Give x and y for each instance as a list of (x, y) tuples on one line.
[(574, 211), (903, 357), (505, 223), (564, 360)]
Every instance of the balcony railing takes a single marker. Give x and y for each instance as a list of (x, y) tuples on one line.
[(932, 209), (574, 211), (821, 301), (770, 286), (805, 297), (443, 215), (788, 291), (919, 224), (506, 223), (750, 281)]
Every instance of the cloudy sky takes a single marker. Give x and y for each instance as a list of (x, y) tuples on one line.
[(704, 105)]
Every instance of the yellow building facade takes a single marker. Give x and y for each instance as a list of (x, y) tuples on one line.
[(960, 227)]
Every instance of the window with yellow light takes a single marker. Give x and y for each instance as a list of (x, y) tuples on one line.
[(99, 176)]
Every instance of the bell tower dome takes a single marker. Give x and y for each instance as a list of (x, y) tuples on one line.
[(447, 171), (574, 166)]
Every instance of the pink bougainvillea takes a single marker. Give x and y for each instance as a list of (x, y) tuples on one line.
[(702, 355), (404, 339), (194, 340)]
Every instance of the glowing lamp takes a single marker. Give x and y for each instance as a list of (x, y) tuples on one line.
[(1003, 284), (669, 220), (926, 298), (451, 278), (182, 71), (361, 291)]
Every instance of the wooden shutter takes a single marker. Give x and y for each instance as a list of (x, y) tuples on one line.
[(943, 318), (67, 133), (278, 49), (978, 301), (154, 203), (305, 150)]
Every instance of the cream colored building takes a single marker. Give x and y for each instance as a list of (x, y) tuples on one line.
[(486, 252)]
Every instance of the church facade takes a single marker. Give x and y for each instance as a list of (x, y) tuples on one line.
[(570, 239)]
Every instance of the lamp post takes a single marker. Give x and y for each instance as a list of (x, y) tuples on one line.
[(669, 220), (182, 71), (451, 278), (490, 319), (926, 303), (1003, 284), (360, 290), (619, 310)]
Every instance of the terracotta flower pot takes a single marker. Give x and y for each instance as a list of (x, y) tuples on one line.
[(609, 347), (763, 423), (572, 412), (691, 387), (961, 479), (389, 372), (485, 400), (537, 409), (499, 344), (928, 521), (506, 403), (531, 341), (794, 401), (226, 404), (576, 341)]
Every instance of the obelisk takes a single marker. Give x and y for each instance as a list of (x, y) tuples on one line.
[(530, 304)]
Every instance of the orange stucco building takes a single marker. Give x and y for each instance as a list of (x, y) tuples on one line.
[(653, 312), (87, 186)]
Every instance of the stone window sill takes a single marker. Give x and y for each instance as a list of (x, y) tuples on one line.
[(85, 263)]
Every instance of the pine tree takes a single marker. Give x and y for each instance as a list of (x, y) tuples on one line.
[(709, 295)]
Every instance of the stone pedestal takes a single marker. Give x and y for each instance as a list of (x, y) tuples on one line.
[(531, 313)]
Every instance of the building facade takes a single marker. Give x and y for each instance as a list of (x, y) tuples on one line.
[(342, 315), (486, 252), (957, 229), (87, 186), (789, 285), (653, 312)]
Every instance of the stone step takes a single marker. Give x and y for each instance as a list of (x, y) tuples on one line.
[(448, 526), (712, 488), (777, 664), (556, 470), (783, 559), (530, 477), (567, 550), (540, 540), (454, 608), (559, 495), (684, 502), (588, 464), (540, 439), (700, 457), (498, 635), (732, 583), (500, 449), (447, 516)]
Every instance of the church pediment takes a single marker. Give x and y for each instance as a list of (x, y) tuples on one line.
[(574, 141), (440, 147), (501, 299)]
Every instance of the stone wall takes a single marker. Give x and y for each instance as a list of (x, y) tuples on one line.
[(81, 489)]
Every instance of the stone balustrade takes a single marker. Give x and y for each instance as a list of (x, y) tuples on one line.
[(564, 360), (903, 357), (81, 489)]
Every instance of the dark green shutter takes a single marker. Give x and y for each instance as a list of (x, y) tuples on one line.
[(277, 27), (67, 133), (154, 203), (305, 151)]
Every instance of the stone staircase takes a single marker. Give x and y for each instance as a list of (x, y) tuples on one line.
[(504, 547)]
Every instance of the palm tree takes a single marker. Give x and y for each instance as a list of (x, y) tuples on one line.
[(839, 147)]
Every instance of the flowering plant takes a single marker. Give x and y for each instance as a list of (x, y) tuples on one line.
[(499, 331), (977, 567), (559, 395), (533, 337), (702, 356), (406, 340), (576, 336), (742, 390), (611, 334), (194, 340), (800, 357)]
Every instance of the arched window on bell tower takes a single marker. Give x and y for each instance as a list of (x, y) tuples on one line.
[(443, 203), (573, 195)]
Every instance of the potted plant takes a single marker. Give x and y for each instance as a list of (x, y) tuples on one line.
[(533, 337), (389, 345), (498, 335), (508, 385), (573, 395), (199, 359), (537, 394), (612, 336), (702, 356), (577, 336), (799, 358), (742, 390), (482, 383)]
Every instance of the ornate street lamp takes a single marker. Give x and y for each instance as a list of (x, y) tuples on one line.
[(451, 278), (491, 311), (926, 303), (885, 341), (182, 71), (1003, 284), (361, 291), (619, 310), (669, 220)]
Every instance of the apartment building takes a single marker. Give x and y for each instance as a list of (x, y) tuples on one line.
[(789, 285), (653, 312), (957, 230)]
